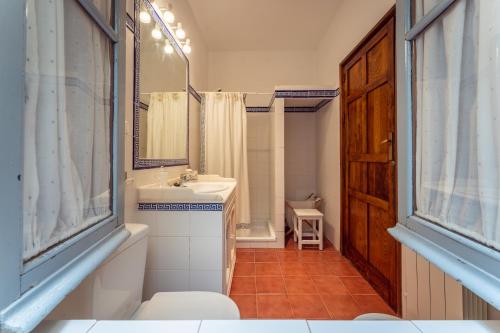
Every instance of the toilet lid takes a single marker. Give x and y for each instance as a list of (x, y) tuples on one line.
[(188, 305)]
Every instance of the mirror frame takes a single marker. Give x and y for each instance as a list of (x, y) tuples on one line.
[(142, 163)]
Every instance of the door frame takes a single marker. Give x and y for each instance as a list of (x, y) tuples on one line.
[(391, 14)]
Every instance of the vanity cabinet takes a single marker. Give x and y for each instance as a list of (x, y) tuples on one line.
[(191, 246)]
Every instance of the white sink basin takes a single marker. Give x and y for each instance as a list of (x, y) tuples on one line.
[(206, 187)]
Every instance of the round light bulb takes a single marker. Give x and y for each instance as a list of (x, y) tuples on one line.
[(169, 17), (187, 46), (179, 32), (168, 49), (156, 33), (144, 17)]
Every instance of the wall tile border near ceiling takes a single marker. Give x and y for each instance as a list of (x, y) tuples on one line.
[(326, 96)]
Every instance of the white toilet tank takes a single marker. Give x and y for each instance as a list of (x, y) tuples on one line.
[(114, 290)]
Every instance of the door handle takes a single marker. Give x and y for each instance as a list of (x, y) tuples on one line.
[(390, 141)]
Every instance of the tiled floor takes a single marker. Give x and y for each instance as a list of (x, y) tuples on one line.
[(308, 284)]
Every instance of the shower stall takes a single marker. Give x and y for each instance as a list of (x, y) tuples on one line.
[(265, 153)]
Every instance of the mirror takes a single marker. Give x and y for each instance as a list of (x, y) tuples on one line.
[(161, 105)]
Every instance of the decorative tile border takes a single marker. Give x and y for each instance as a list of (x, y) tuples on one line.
[(325, 95), (163, 206), (195, 94), (257, 109), (130, 22), (307, 93)]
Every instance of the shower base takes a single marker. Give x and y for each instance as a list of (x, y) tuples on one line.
[(261, 231)]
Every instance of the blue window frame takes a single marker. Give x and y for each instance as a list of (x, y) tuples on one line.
[(473, 263), (32, 285)]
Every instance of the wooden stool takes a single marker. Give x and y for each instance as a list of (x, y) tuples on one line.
[(314, 218)]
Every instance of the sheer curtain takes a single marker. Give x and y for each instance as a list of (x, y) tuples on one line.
[(67, 153), (224, 143), (458, 119), (167, 125)]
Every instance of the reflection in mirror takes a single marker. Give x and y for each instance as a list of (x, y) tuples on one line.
[(161, 111)]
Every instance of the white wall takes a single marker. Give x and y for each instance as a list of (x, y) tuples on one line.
[(352, 21), (300, 155), (260, 70)]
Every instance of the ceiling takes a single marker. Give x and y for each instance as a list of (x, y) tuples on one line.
[(256, 25)]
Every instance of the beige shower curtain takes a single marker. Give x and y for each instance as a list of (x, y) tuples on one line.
[(167, 125), (224, 143)]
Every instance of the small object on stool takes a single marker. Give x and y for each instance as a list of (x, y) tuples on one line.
[(314, 218)]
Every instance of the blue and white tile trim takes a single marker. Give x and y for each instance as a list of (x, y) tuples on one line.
[(179, 206)]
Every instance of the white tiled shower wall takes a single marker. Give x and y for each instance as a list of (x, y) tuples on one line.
[(259, 172)]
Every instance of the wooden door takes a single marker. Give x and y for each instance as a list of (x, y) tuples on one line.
[(368, 135)]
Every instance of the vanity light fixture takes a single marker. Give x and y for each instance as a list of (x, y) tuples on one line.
[(187, 46), (168, 15), (156, 33), (168, 49), (179, 32), (144, 17)]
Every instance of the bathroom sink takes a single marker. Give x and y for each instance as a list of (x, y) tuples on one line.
[(207, 187)]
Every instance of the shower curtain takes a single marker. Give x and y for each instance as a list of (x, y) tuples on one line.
[(458, 103), (167, 125), (67, 166), (224, 143)]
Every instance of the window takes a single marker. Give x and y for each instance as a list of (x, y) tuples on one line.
[(68, 123), (61, 195), (457, 106), (449, 115)]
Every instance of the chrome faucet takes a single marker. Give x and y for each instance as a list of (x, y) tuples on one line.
[(187, 176)]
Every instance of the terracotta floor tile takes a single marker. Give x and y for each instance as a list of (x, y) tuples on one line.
[(270, 285), (357, 285), (244, 269), (242, 249), (372, 303), (302, 284), (247, 304), (290, 256), (273, 307), (308, 307), (293, 268), (245, 257), (342, 269), (267, 269), (332, 256), (265, 249), (243, 285), (342, 307), (329, 285), (307, 256), (299, 285), (266, 257), (317, 268)]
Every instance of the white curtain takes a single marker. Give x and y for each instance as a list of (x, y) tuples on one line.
[(67, 146), (224, 143), (458, 119), (167, 125)]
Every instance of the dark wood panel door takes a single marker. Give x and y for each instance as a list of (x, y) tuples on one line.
[(368, 118)]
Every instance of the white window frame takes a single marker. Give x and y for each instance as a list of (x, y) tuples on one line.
[(471, 263), (30, 290)]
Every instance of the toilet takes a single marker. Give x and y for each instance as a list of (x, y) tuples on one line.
[(114, 292)]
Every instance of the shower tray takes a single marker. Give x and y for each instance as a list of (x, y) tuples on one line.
[(255, 231)]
